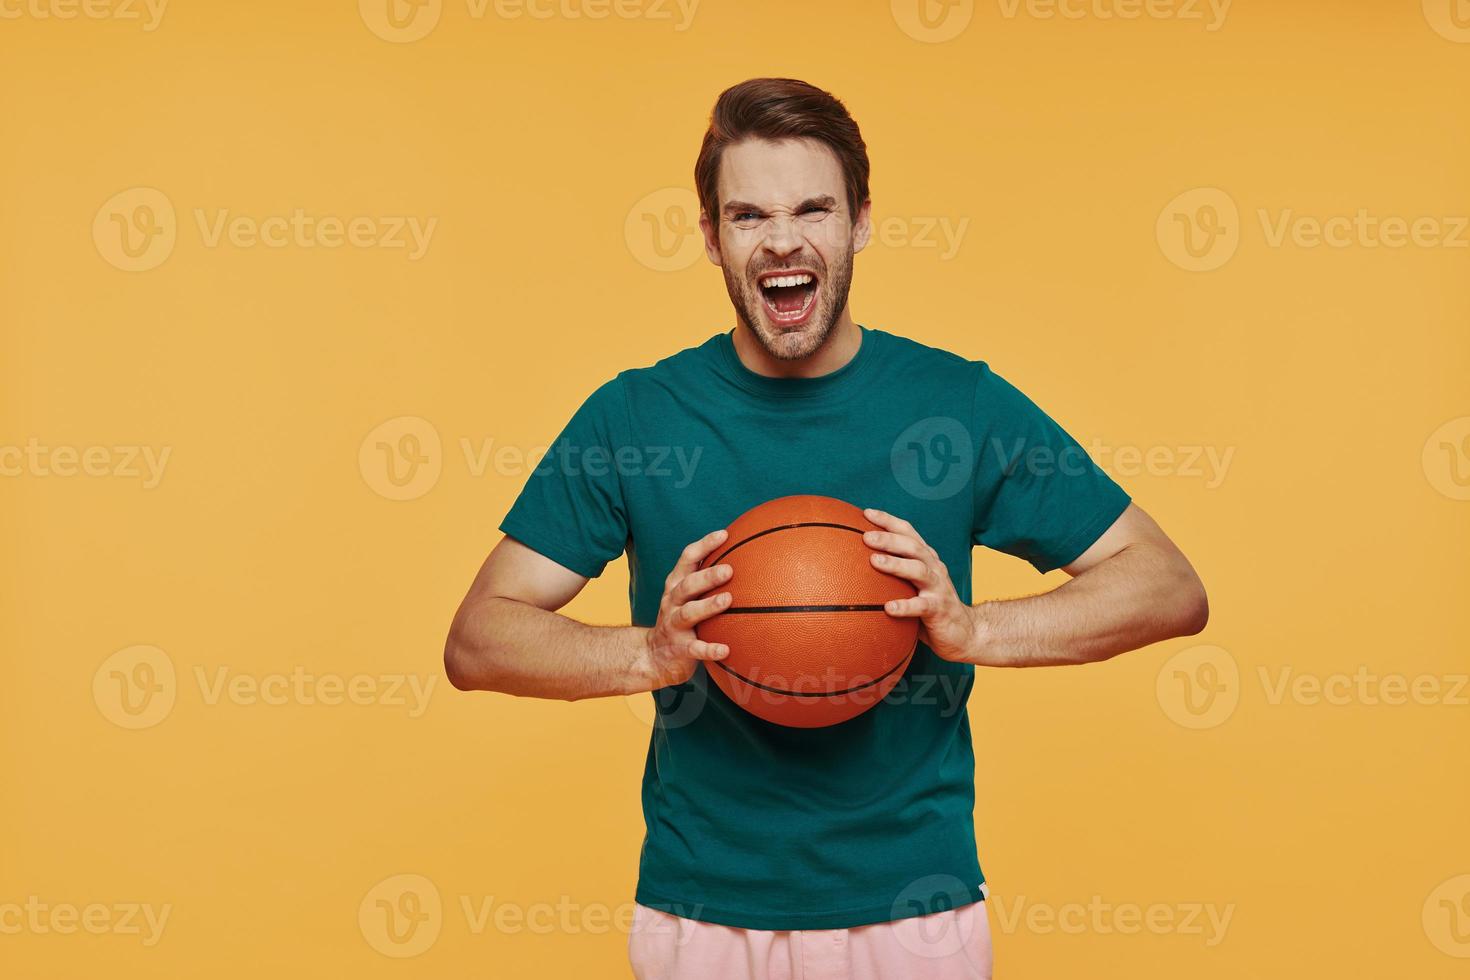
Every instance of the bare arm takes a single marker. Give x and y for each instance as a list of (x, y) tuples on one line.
[(1132, 587), (507, 635)]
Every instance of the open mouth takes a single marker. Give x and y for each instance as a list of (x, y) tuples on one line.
[(789, 296)]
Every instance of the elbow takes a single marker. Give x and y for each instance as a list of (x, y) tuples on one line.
[(464, 665), (454, 665), (1193, 605)]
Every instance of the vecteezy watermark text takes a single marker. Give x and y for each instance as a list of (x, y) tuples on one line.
[(40, 918), (127, 462)]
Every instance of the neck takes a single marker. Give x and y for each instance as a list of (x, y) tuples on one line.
[(841, 346)]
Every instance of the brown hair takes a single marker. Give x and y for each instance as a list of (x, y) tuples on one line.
[(776, 109)]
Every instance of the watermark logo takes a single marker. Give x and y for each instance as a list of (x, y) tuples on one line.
[(670, 707), (933, 458), (402, 458), (1446, 458), (136, 687), (1450, 19), (662, 230), (932, 21), (919, 924), (406, 21), (1199, 687), (401, 916), (680, 13), (404, 915), (1447, 917), (135, 230), (400, 21), (1199, 230)]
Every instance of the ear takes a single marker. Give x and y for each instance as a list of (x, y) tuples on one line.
[(862, 228), (711, 238)]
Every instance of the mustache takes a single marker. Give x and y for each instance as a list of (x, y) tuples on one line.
[(817, 267)]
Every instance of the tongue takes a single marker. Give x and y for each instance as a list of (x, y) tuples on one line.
[(788, 299)]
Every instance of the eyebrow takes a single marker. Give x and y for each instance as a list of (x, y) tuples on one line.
[(735, 207)]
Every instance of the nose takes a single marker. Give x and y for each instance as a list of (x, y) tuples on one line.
[(784, 236)]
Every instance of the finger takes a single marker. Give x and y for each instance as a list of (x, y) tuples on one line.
[(700, 609), (700, 650), (897, 544), (915, 606), (892, 523), (694, 553), (912, 569), (700, 582)]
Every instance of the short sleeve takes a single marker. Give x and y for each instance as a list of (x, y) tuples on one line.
[(572, 508), (1038, 494)]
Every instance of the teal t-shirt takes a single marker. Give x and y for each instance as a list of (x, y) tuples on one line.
[(749, 823)]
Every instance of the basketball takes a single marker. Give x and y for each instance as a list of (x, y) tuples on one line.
[(810, 644)]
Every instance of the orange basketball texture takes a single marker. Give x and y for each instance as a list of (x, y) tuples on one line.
[(810, 644)]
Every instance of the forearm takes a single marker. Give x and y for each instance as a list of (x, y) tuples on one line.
[(1139, 596), (498, 644)]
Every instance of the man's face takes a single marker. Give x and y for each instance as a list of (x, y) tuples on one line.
[(785, 241)]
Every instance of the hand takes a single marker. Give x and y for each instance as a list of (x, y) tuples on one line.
[(672, 648), (947, 626)]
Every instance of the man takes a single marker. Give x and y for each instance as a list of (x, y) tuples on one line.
[(845, 851)]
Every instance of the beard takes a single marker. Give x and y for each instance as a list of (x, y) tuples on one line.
[(792, 343)]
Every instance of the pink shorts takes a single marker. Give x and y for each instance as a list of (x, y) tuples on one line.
[(952, 945)]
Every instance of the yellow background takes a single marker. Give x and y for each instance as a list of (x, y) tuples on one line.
[(1336, 539)]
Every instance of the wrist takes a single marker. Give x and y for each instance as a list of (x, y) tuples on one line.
[(981, 647), (640, 675)]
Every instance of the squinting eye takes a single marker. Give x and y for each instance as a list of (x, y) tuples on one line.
[(815, 213), (746, 216)]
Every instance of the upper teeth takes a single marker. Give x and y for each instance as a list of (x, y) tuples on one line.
[(800, 279)]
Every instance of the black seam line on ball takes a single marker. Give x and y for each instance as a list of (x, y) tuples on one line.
[(868, 607), (818, 694), (782, 527)]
